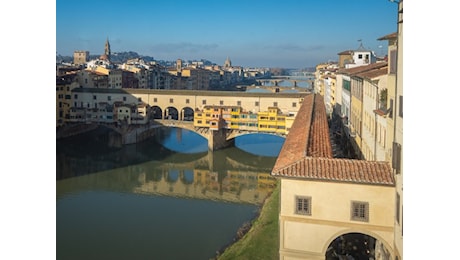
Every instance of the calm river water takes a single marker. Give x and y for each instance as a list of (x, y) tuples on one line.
[(165, 198)]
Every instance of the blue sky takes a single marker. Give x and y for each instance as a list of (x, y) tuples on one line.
[(286, 33)]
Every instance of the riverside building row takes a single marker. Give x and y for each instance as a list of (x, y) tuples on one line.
[(101, 73), (363, 97)]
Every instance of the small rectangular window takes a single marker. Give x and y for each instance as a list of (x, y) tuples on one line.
[(221, 102), (294, 104), (155, 100), (187, 101), (275, 104), (109, 98), (360, 211), (257, 103), (400, 107), (75, 96), (303, 205), (204, 102), (398, 201), (171, 100), (139, 99), (238, 103), (94, 97), (124, 98)]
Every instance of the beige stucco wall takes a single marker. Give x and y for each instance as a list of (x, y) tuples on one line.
[(302, 236)]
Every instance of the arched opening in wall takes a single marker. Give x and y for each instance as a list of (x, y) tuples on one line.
[(171, 113), (187, 114), (187, 177), (356, 246), (155, 112)]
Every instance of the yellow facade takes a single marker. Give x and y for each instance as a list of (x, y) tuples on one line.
[(272, 121)]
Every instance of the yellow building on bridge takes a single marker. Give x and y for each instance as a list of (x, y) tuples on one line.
[(235, 118)]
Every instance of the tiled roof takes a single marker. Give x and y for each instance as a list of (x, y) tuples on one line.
[(319, 143), (307, 152), (295, 145), (339, 170), (389, 36), (364, 68), (374, 73)]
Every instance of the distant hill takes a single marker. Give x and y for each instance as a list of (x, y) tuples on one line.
[(116, 57)]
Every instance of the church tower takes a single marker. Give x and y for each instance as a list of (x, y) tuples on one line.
[(107, 48), (228, 63)]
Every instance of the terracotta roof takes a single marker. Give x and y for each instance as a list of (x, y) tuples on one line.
[(347, 52), (389, 36), (339, 170), (307, 152), (364, 68), (374, 73), (319, 143), (295, 145)]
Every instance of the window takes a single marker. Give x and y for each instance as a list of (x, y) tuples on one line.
[(109, 98), (139, 99), (221, 102), (204, 102), (257, 103), (238, 103), (303, 205), (400, 106), (398, 201), (360, 211), (396, 157), (360, 56), (124, 98), (294, 104), (390, 109), (171, 100), (94, 97), (275, 104), (187, 101), (392, 63)]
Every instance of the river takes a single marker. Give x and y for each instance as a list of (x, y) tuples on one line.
[(164, 198)]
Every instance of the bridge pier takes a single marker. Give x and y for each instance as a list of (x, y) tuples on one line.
[(217, 139)]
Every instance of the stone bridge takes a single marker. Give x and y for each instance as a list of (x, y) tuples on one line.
[(175, 108)]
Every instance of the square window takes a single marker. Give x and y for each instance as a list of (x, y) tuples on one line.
[(275, 104), (303, 205), (155, 100), (360, 211)]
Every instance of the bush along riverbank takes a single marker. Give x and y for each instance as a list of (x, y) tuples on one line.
[(259, 239)]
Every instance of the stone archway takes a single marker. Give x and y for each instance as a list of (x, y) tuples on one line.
[(171, 113), (156, 112), (356, 246), (187, 114)]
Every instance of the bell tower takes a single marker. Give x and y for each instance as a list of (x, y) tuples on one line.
[(107, 48)]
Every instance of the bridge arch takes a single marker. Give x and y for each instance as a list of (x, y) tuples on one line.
[(187, 177), (172, 176), (171, 113), (354, 241), (187, 114), (156, 112)]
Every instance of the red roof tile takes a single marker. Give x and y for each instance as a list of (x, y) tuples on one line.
[(307, 152), (339, 170)]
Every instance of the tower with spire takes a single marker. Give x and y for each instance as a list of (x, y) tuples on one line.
[(228, 63), (107, 52)]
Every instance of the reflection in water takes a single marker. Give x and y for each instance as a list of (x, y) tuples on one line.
[(143, 201)]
